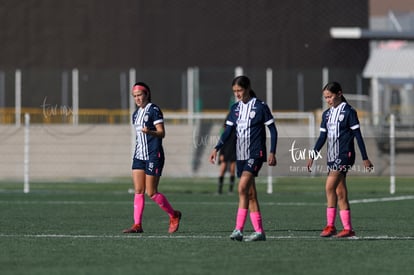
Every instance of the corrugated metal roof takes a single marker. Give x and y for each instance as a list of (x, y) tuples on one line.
[(390, 63)]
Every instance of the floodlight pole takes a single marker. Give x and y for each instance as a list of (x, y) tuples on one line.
[(26, 186), (18, 96), (269, 100), (190, 96), (75, 96), (392, 154), (132, 106), (325, 80)]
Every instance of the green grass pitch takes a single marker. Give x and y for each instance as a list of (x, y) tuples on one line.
[(76, 228)]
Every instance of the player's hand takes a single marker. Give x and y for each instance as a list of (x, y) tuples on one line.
[(272, 160), (309, 165), (213, 156), (368, 165)]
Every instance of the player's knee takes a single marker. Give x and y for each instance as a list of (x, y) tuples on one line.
[(341, 195), (243, 188)]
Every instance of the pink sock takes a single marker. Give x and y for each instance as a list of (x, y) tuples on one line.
[(330, 216), (241, 218), (162, 201), (139, 204), (256, 219), (346, 219)]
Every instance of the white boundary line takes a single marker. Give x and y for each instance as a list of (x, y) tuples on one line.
[(143, 236), (372, 200), (62, 236), (399, 198)]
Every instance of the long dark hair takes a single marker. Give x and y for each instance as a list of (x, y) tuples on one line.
[(334, 87), (244, 82), (147, 88)]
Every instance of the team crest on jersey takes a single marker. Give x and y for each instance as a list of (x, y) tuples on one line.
[(145, 118), (341, 117), (252, 114)]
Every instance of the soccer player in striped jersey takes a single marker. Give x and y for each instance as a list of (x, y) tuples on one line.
[(148, 159), (249, 117), (339, 126)]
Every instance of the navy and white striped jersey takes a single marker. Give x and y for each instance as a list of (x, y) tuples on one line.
[(250, 120), (147, 146), (338, 126)]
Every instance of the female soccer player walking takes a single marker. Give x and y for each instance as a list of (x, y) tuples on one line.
[(249, 117), (339, 126), (148, 160)]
